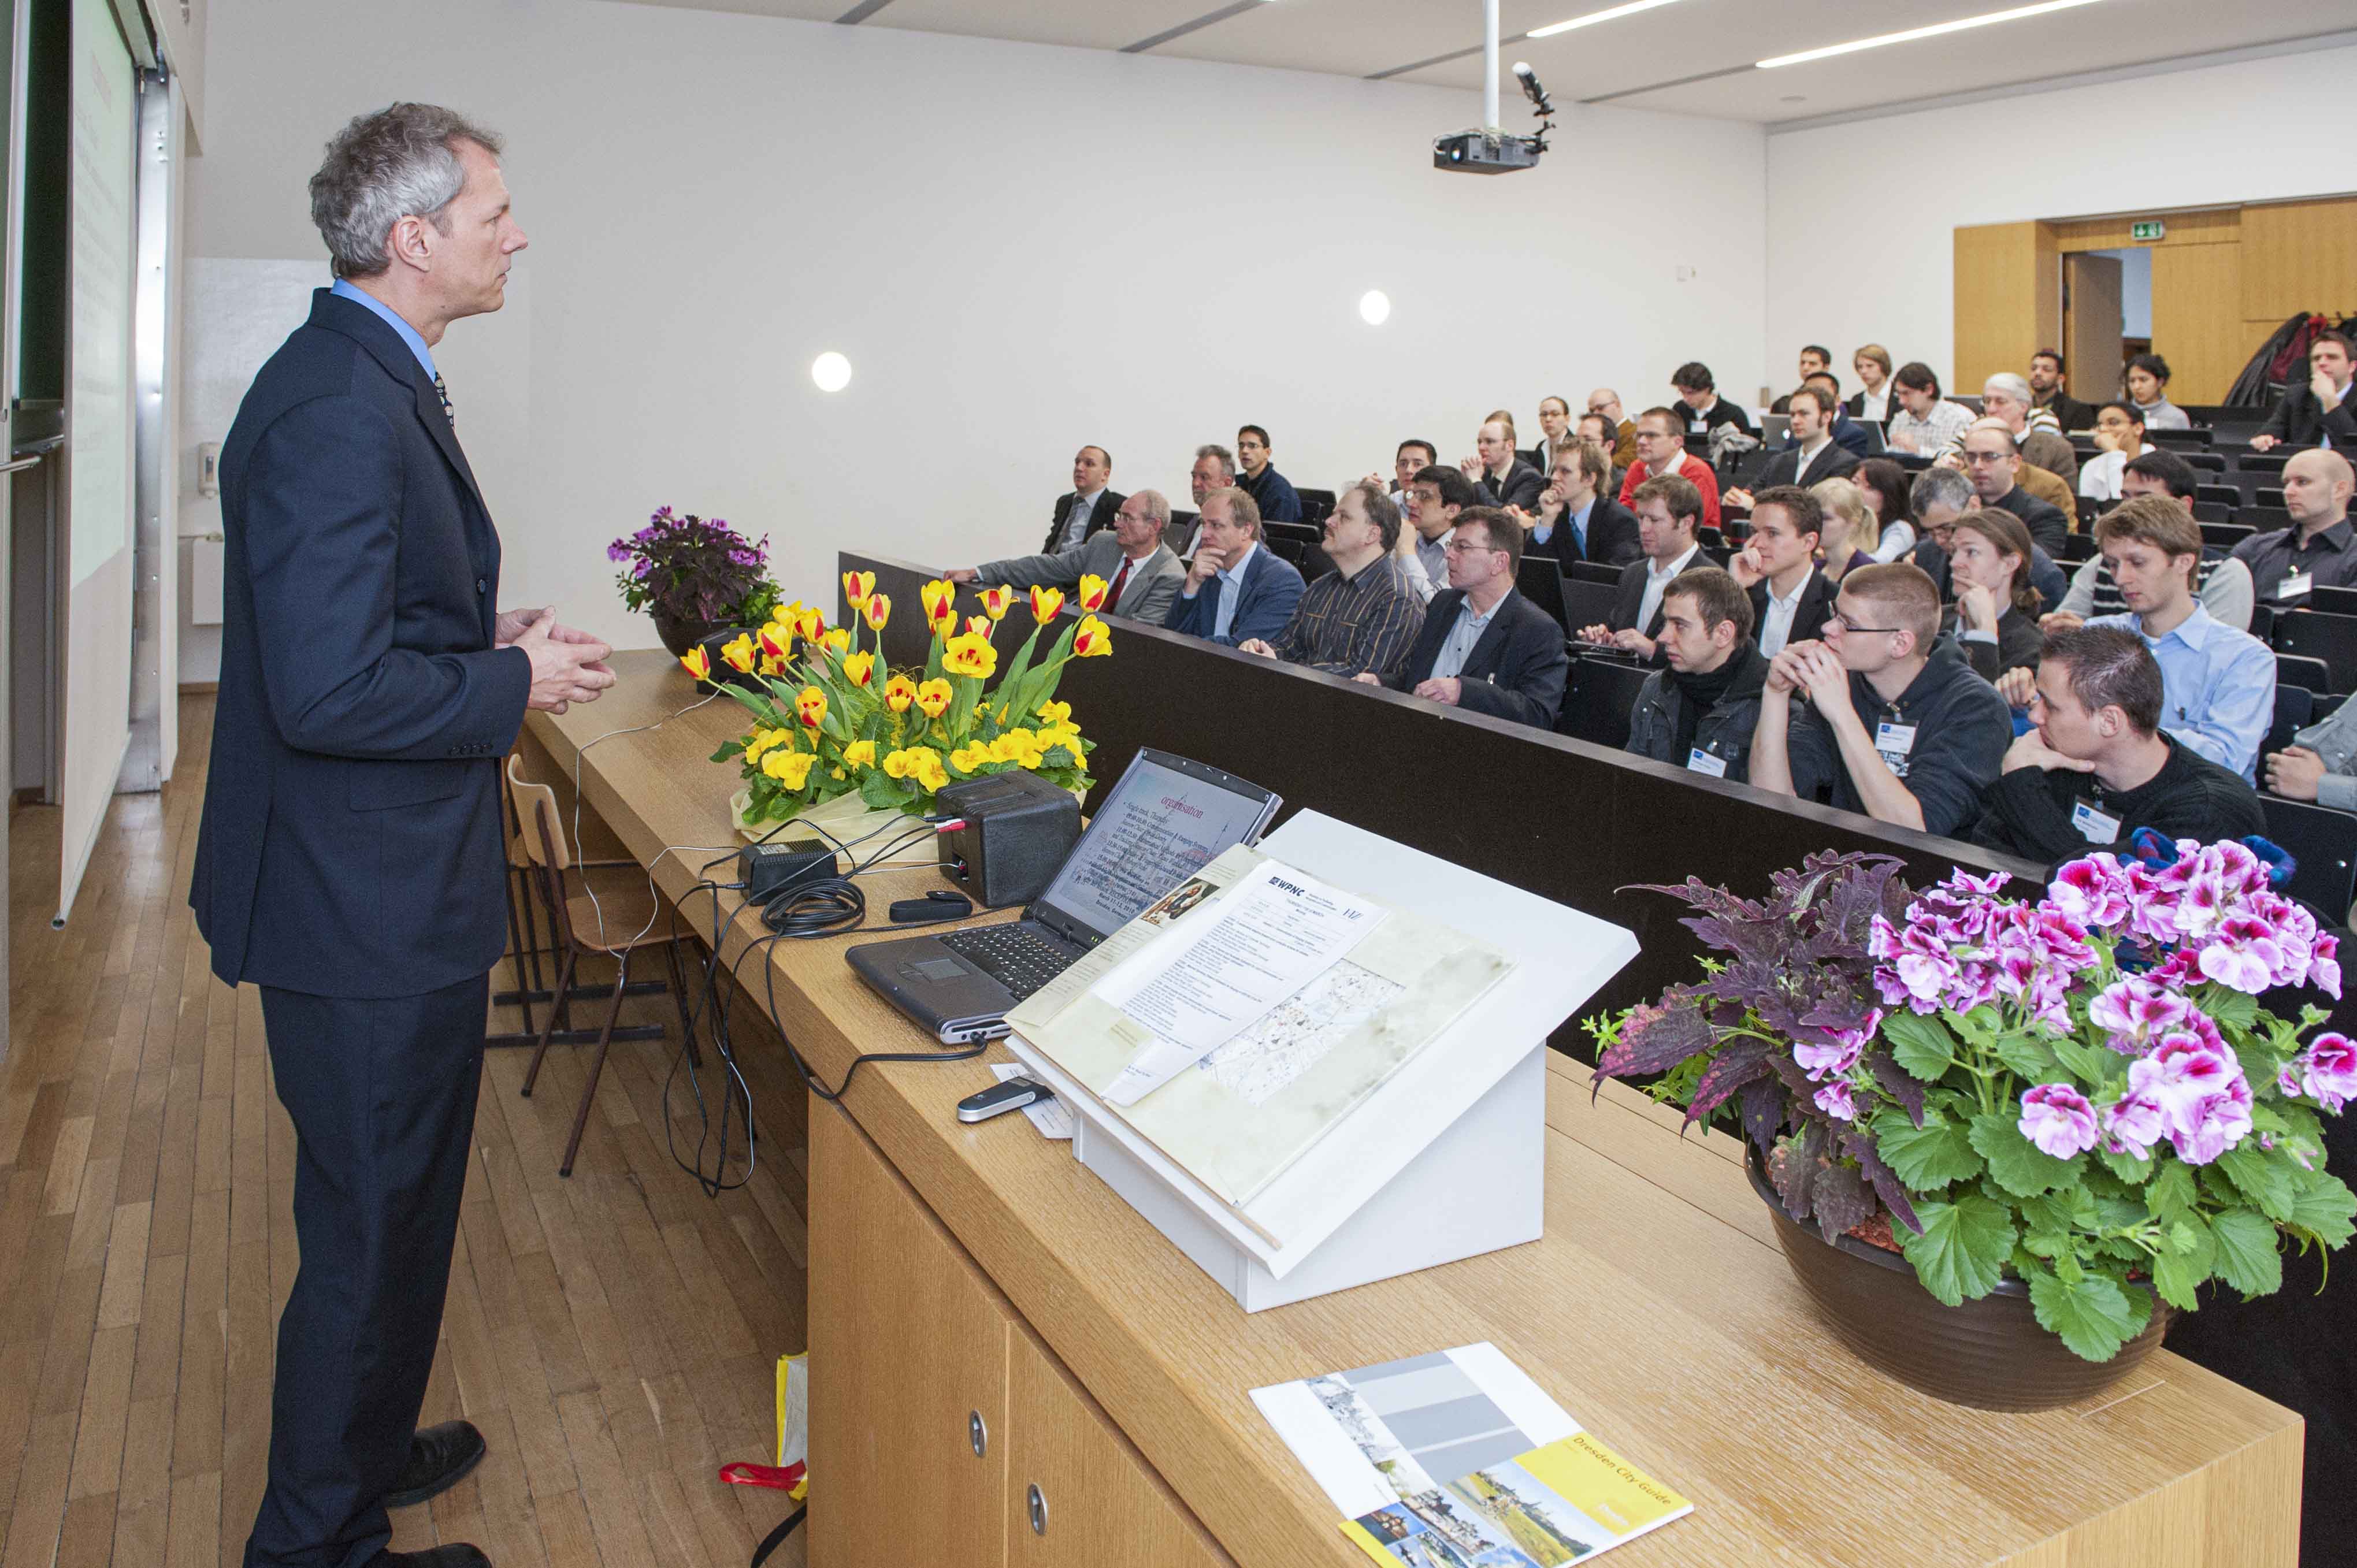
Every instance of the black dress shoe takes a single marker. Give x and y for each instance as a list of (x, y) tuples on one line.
[(455, 1556), (439, 1458)]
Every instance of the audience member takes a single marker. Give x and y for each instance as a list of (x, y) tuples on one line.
[(1575, 521), (1270, 491), (1661, 452), (2095, 767), (1898, 725), (1253, 591), (1884, 485), (1813, 359), (1699, 711), (2318, 412), (1940, 496), (2288, 562), (2050, 389), (1812, 455), (1778, 566), (1090, 505), (1848, 527), (2147, 380), (1554, 423), (2221, 583), (1705, 410), (1926, 423), (1484, 647), (1606, 401), (1668, 510), (1214, 470), (1600, 429), (1436, 496), (1872, 400), (2220, 684), (1360, 618), (1847, 433), (2119, 441), (1994, 465), (1995, 617), (2005, 399), (2320, 763), (1411, 459), (1141, 575), (1504, 478)]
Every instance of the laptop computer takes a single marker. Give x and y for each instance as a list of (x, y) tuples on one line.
[(1165, 818), (1775, 429), (1540, 578)]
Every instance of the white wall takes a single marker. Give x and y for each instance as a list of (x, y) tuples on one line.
[(1861, 216), (1020, 248)]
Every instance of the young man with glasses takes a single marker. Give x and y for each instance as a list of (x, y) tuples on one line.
[(1661, 452), (1897, 722), (1484, 647)]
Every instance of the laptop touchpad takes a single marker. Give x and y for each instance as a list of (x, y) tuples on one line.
[(935, 969)]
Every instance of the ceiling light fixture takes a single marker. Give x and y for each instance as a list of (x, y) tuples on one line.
[(1936, 30), (1609, 14), (1374, 307), (830, 370)]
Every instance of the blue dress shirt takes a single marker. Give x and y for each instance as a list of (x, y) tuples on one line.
[(2217, 684), (392, 318), (1232, 589)]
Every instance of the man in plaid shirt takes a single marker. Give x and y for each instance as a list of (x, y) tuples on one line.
[(1361, 617)]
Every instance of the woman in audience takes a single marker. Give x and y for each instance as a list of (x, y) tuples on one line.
[(1849, 524), (2149, 385), (2119, 441), (1872, 400), (1885, 485), (1995, 617)]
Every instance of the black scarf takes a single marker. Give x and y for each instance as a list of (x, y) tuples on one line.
[(1701, 692)]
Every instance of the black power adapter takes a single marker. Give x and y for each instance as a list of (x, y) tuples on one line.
[(768, 871)]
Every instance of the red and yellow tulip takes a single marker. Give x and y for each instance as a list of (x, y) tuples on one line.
[(857, 587), (877, 608), (777, 640), (941, 605), (1092, 640), (933, 698), (738, 653), (1045, 603), (837, 639), (898, 693), (859, 668), (698, 662), (996, 602), (981, 626), (811, 707), (807, 622), (1092, 591)]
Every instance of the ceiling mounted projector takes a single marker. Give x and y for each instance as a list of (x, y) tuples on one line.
[(1489, 150)]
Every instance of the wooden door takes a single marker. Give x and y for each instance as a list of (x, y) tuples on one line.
[(2092, 325), (908, 1344), (1079, 1495), (2195, 324)]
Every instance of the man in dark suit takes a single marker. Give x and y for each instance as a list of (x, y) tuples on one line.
[(1503, 478), (349, 861), (1484, 647), (1847, 433), (2322, 412), (1994, 464), (1814, 455), (1089, 507), (1778, 566), (1236, 590), (1575, 519), (2050, 389), (1669, 510)]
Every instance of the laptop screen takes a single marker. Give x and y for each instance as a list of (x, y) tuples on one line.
[(1159, 827)]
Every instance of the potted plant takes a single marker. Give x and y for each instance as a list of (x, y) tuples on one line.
[(693, 577), (841, 740), (2021, 1133)]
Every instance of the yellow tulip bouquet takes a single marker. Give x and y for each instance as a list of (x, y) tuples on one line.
[(832, 720)]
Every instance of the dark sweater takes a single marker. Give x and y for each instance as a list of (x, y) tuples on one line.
[(1961, 726), (2028, 812)]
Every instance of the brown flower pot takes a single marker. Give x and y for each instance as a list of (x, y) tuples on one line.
[(1989, 1353), (679, 634)]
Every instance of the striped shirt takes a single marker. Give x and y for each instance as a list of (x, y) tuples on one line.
[(1353, 625), (1942, 430)]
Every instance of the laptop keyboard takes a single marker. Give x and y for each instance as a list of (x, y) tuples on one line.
[(1017, 955)]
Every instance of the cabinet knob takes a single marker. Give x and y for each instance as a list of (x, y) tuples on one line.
[(976, 1433), (1038, 1503)]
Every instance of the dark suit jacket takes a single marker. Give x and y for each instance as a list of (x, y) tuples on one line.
[(1808, 616), (2048, 527), (2070, 412), (2303, 422), (1515, 671), (363, 711), (1520, 487), (1833, 461), (1611, 536), (1100, 520), (1272, 587), (1632, 597)]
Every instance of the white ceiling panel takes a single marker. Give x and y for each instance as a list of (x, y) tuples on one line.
[(1095, 25), (800, 10)]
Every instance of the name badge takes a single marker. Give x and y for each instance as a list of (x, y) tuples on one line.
[(2295, 585), (1896, 743), (2093, 825), (1701, 761)]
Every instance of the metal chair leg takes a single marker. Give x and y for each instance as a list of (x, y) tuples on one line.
[(679, 991), (540, 1052), (596, 1066), (524, 988)]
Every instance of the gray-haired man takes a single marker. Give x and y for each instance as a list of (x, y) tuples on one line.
[(1141, 575)]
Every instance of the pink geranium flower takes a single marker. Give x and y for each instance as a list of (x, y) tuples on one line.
[(1834, 1100), (2215, 1125), (2133, 1125), (2058, 1119), (2181, 1071), (2095, 891), (1839, 1052), (2326, 1072)]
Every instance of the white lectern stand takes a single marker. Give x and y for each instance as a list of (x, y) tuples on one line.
[(1446, 1160)]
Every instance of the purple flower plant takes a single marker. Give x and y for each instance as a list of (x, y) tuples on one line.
[(2058, 1119)]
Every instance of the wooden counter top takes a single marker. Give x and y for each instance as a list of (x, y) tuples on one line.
[(1657, 1308)]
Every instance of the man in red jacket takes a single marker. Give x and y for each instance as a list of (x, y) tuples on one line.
[(1662, 450)]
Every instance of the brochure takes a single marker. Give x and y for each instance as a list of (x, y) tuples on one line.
[(1458, 1460)]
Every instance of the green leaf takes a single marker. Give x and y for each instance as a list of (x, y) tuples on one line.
[(2017, 1165), (2247, 1257), (2047, 1216), (2325, 1205), (2091, 1065), (2265, 1179), (2172, 1192), (2134, 1172), (2092, 1315), (2025, 1055), (2190, 1257), (1922, 1047), (1962, 1250), (1925, 1158), (2225, 1006)]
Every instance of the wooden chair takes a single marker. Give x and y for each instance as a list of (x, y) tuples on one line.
[(604, 906)]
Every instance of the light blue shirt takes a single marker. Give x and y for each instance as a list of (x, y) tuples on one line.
[(1231, 589), (1463, 636), (392, 318), (2217, 687)]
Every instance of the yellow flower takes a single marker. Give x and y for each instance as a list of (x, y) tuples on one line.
[(859, 668), (898, 693), (808, 623), (896, 764), (772, 665), (970, 655), (791, 768), (738, 652), (765, 740), (1092, 591), (940, 603), (698, 662), (980, 626), (839, 640), (857, 587), (933, 697), (1092, 640), (994, 601), (838, 773), (1045, 603), (777, 640), (929, 771), (812, 706), (1054, 712), (969, 758), (860, 754), (877, 608)]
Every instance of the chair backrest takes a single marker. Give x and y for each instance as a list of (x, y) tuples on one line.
[(1601, 696), (2263, 624), (2303, 669), (2324, 844), (2225, 535), (2263, 462), (2225, 495), (2265, 519), (2269, 495), (1540, 578), (1595, 572), (2340, 601), (2212, 461), (2078, 548), (2326, 636), (2213, 512), (544, 824), (2294, 710)]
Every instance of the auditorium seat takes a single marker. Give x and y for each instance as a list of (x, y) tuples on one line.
[(2270, 462), (2262, 622), (1593, 571), (2303, 669), (2265, 519), (2078, 549), (2323, 845), (2228, 496), (2213, 511), (1598, 698), (1317, 506), (2322, 635), (2225, 535), (2269, 495), (2294, 710), (2338, 601), (2198, 437)]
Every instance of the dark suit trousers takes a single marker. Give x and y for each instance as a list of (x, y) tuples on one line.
[(382, 1095)]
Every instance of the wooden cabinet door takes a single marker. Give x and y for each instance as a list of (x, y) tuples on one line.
[(1077, 1494), (909, 1343)]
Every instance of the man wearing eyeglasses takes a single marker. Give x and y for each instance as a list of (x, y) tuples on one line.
[(1660, 452), (1605, 403), (1995, 466), (1484, 647), (1897, 722)]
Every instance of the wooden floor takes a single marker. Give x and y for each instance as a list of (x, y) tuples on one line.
[(614, 1334)]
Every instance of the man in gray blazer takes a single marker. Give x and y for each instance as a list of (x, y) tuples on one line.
[(1144, 576)]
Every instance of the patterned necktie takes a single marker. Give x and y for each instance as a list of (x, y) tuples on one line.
[(444, 393), (1112, 594)]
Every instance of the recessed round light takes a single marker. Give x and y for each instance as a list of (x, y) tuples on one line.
[(830, 370), (1374, 307)]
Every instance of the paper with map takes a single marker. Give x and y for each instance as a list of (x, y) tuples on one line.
[(1239, 1114)]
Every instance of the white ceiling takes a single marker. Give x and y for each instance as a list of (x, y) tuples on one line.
[(1692, 56)]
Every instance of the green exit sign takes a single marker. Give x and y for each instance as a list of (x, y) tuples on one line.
[(2150, 229)]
